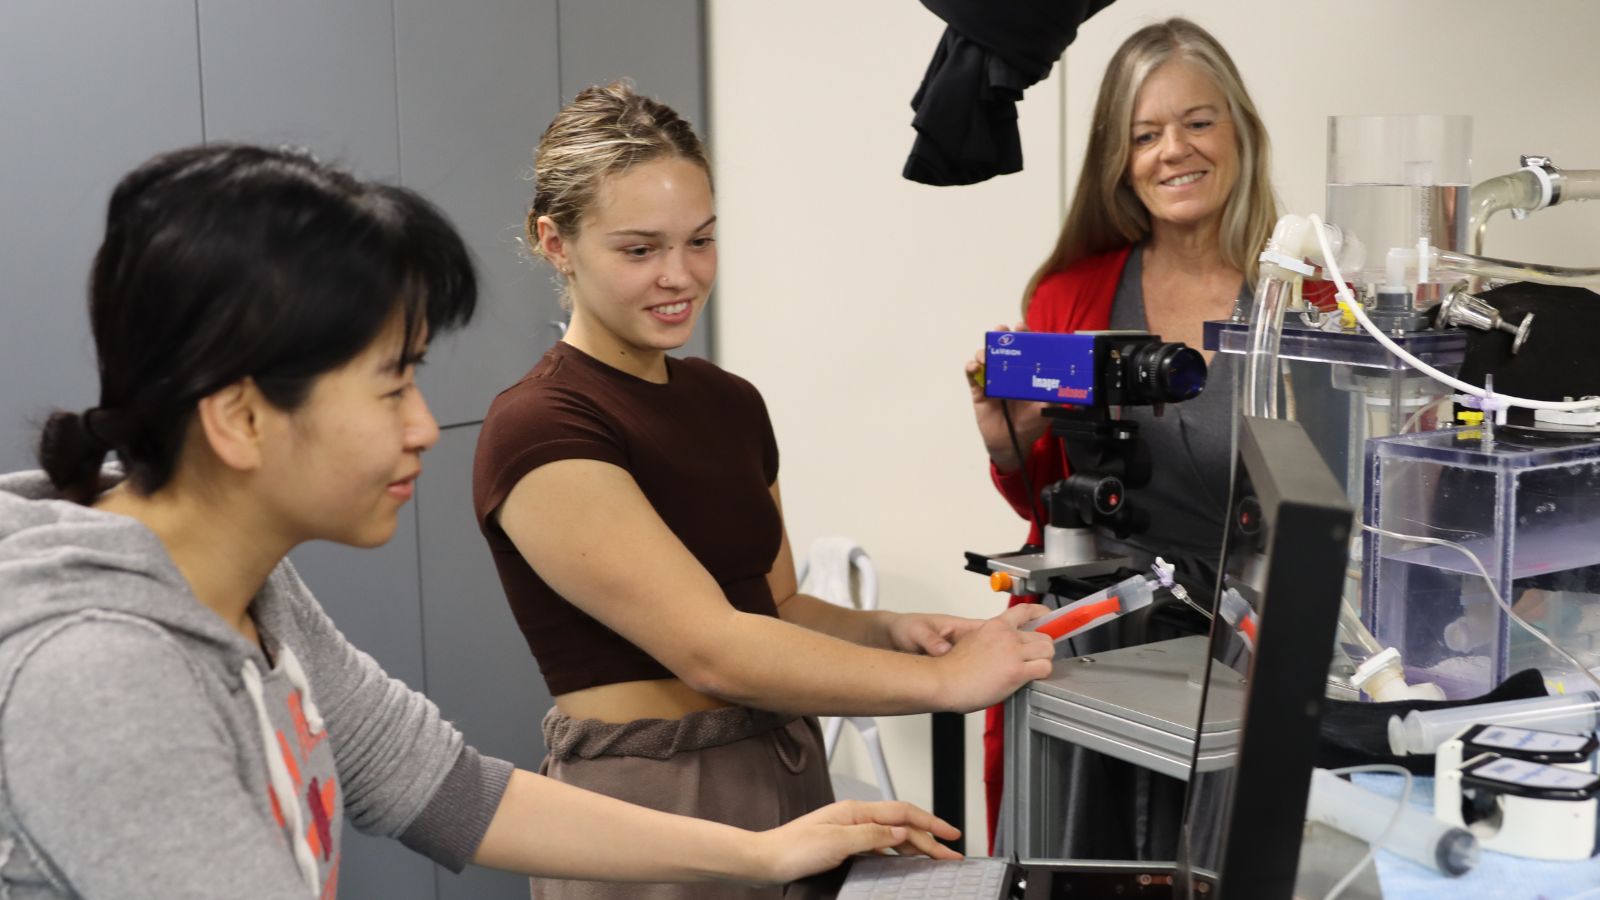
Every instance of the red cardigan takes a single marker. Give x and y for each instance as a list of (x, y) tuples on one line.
[(1077, 298)]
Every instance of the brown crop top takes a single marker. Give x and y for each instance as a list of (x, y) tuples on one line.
[(700, 447)]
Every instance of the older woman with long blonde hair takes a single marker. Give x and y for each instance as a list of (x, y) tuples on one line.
[(1171, 208)]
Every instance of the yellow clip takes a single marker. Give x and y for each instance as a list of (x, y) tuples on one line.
[(1470, 417), (1347, 317)]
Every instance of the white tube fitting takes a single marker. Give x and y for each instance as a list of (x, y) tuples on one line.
[(1395, 265), (1382, 678)]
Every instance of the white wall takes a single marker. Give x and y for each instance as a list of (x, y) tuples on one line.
[(851, 296)]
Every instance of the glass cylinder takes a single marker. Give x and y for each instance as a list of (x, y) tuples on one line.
[(1394, 180)]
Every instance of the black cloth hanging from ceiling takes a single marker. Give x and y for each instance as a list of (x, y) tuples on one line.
[(966, 107)]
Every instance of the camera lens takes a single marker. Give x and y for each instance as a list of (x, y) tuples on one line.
[(1164, 373)]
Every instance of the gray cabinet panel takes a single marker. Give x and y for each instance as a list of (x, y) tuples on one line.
[(88, 90), (662, 48), (303, 72), (478, 83), (479, 669)]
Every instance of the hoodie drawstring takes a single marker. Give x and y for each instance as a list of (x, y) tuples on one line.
[(297, 677), (282, 784)]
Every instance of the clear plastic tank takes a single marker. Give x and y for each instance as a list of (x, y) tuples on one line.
[(1394, 180), (1528, 505)]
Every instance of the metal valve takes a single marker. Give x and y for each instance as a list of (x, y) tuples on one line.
[(1464, 309)]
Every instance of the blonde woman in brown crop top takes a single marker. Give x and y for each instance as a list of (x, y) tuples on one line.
[(631, 501)]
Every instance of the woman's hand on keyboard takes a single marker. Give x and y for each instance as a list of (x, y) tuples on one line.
[(820, 840)]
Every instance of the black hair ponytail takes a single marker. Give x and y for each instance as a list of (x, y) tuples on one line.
[(71, 452)]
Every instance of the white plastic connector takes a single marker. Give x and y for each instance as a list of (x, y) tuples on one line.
[(1382, 678), (1303, 238), (1584, 418), (1285, 261), (1395, 265), (1164, 572)]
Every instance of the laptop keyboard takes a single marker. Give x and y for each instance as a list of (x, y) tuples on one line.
[(894, 877)]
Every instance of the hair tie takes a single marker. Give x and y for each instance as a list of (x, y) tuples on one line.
[(95, 432)]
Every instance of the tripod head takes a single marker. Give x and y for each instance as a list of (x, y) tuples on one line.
[(1107, 458)]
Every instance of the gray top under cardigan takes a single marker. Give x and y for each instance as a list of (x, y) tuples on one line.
[(1191, 446)]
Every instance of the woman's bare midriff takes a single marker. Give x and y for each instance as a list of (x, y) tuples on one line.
[(665, 698)]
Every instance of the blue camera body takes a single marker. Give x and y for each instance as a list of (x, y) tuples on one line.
[(1040, 365), (1090, 368), (1050, 368)]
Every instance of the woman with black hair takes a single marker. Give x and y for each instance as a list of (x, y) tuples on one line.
[(178, 716)]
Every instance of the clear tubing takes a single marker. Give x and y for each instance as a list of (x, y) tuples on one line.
[(1274, 288), (1579, 184), (1353, 633), (1422, 731), (1523, 190), (1273, 292), (1517, 190), (1509, 270), (1417, 835)]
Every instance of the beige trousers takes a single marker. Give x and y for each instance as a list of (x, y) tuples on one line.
[(738, 766)]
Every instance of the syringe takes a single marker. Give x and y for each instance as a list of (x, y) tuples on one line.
[(1417, 836), (1097, 609), (1422, 731), (1238, 612)]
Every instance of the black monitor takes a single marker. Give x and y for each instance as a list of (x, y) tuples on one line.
[(1284, 557)]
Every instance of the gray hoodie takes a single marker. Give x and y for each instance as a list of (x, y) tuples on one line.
[(148, 750)]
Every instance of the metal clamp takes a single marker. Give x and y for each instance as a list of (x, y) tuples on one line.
[(1550, 182)]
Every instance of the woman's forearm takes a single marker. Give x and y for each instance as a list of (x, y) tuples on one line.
[(545, 828), (869, 628), (774, 664)]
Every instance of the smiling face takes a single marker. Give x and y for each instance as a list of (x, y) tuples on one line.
[(340, 466), (1183, 159), (641, 266)]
